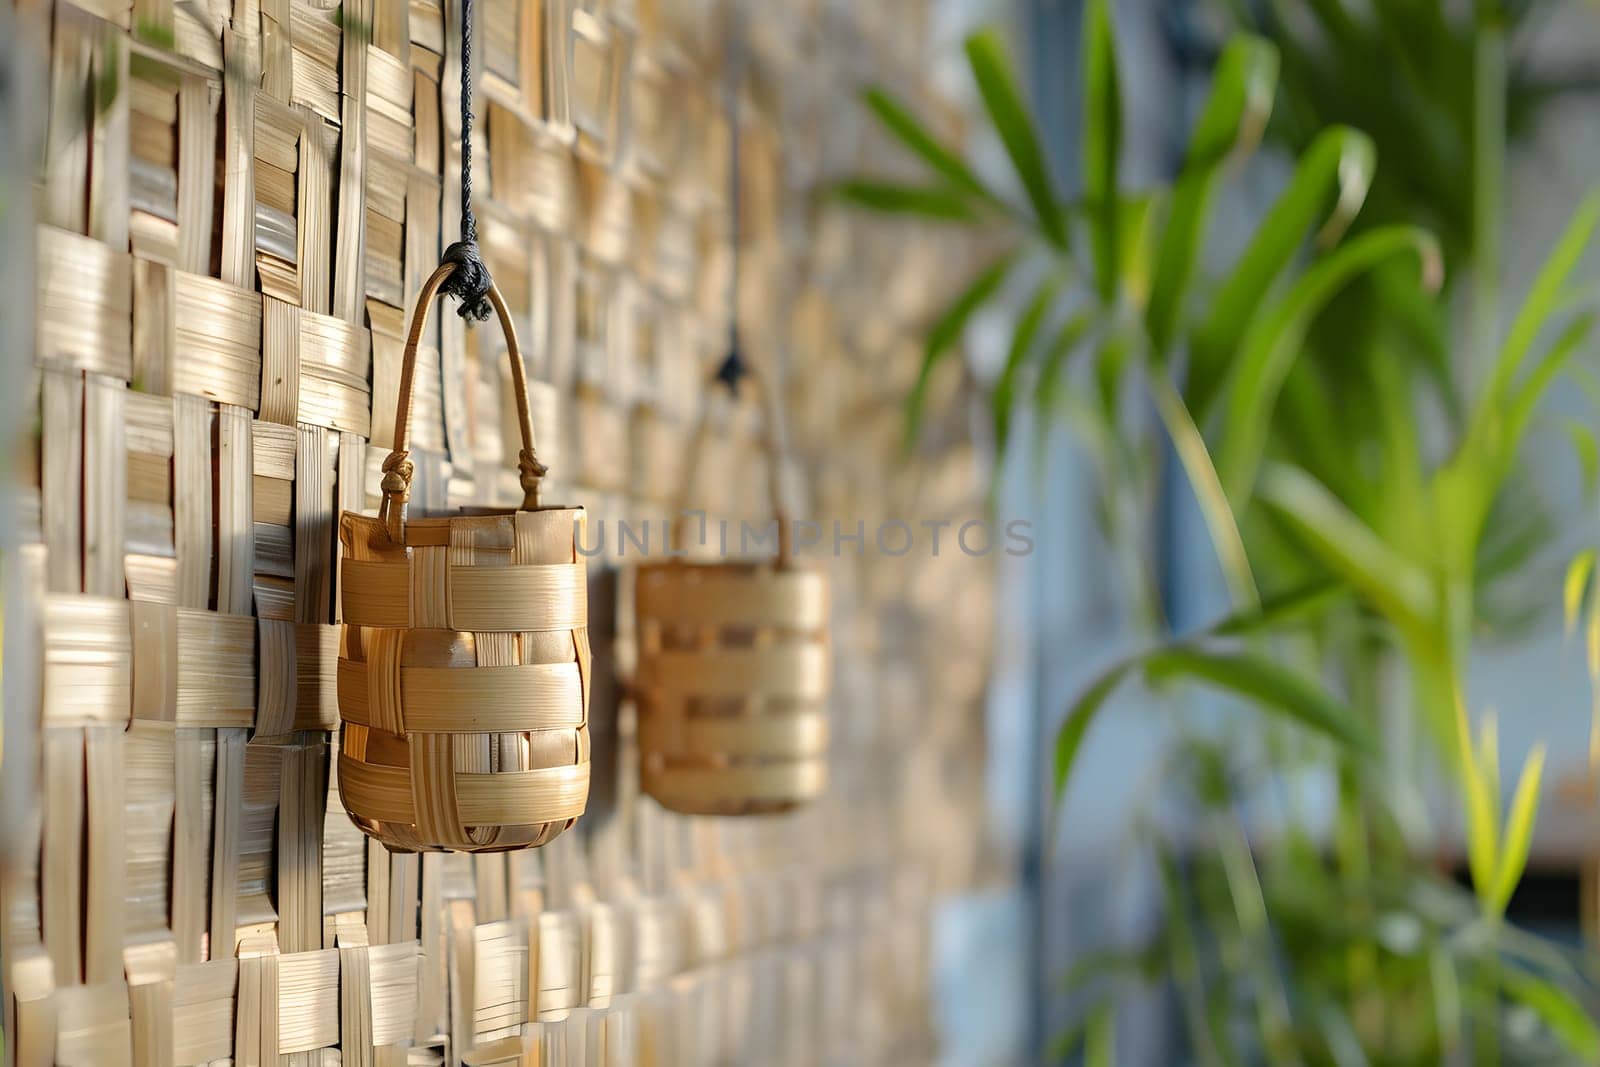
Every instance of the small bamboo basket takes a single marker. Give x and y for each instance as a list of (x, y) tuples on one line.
[(465, 671), (733, 674)]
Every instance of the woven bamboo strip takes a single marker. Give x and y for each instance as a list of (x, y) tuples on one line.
[(235, 522), (60, 882), (150, 1004), (695, 788), (216, 684), (227, 841), (61, 486), (307, 1000), (707, 596), (795, 736), (792, 671), (85, 303), (203, 1011), (93, 1026), (194, 769)]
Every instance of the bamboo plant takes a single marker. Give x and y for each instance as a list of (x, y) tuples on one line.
[(1345, 543)]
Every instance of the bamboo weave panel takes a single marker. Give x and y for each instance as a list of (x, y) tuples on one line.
[(236, 206)]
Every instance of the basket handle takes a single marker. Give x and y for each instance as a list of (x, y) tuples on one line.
[(771, 446), (397, 469)]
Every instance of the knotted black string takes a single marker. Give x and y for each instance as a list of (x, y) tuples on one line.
[(471, 281)]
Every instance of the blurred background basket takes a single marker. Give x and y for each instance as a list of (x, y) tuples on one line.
[(733, 672)]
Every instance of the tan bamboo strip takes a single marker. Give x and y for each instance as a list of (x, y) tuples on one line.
[(313, 526), (93, 1028), (235, 533), (194, 769), (560, 963), (30, 1010), (61, 482), (216, 343), (66, 149), (105, 485), (350, 494), (334, 363), (259, 804), (280, 361), (434, 951), (349, 287), (355, 1008), (276, 692), (345, 878), (215, 657), (241, 72), (87, 669), (154, 323), (256, 1039), (227, 841), (103, 925), (307, 1000), (315, 232), (149, 802), (191, 505), (301, 798), (197, 120), (152, 1039), (61, 881), (203, 1008), (108, 151)]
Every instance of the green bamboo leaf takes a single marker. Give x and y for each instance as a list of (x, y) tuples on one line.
[(1275, 337), (1337, 167), (928, 201), (1544, 297), (1482, 815), (946, 331), (1519, 831), (1349, 547), (1572, 587), (1242, 88), (1102, 144), (1002, 400), (1207, 488), (1047, 389), (1519, 410), (1282, 610), (1587, 446), (1100, 1040), (1001, 98), (1080, 717), (898, 120), (1267, 683), (1291, 607), (1558, 1009), (1110, 362)]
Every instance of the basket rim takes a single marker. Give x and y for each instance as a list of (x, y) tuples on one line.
[(466, 512)]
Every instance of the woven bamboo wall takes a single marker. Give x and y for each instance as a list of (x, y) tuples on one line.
[(236, 201)]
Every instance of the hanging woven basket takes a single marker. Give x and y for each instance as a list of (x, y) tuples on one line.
[(464, 673), (733, 676)]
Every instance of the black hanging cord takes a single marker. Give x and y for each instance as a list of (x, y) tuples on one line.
[(733, 368), (470, 283)]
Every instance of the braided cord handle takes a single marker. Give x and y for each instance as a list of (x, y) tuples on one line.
[(771, 446), (397, 469)]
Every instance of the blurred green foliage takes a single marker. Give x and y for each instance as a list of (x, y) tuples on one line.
[(1354, 459)]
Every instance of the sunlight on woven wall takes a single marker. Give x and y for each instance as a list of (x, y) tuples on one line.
[(237, 202)]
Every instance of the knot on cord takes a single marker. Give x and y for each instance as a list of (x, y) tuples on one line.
[(470, 283), (733, 370), (397, 471), (529, 469)]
